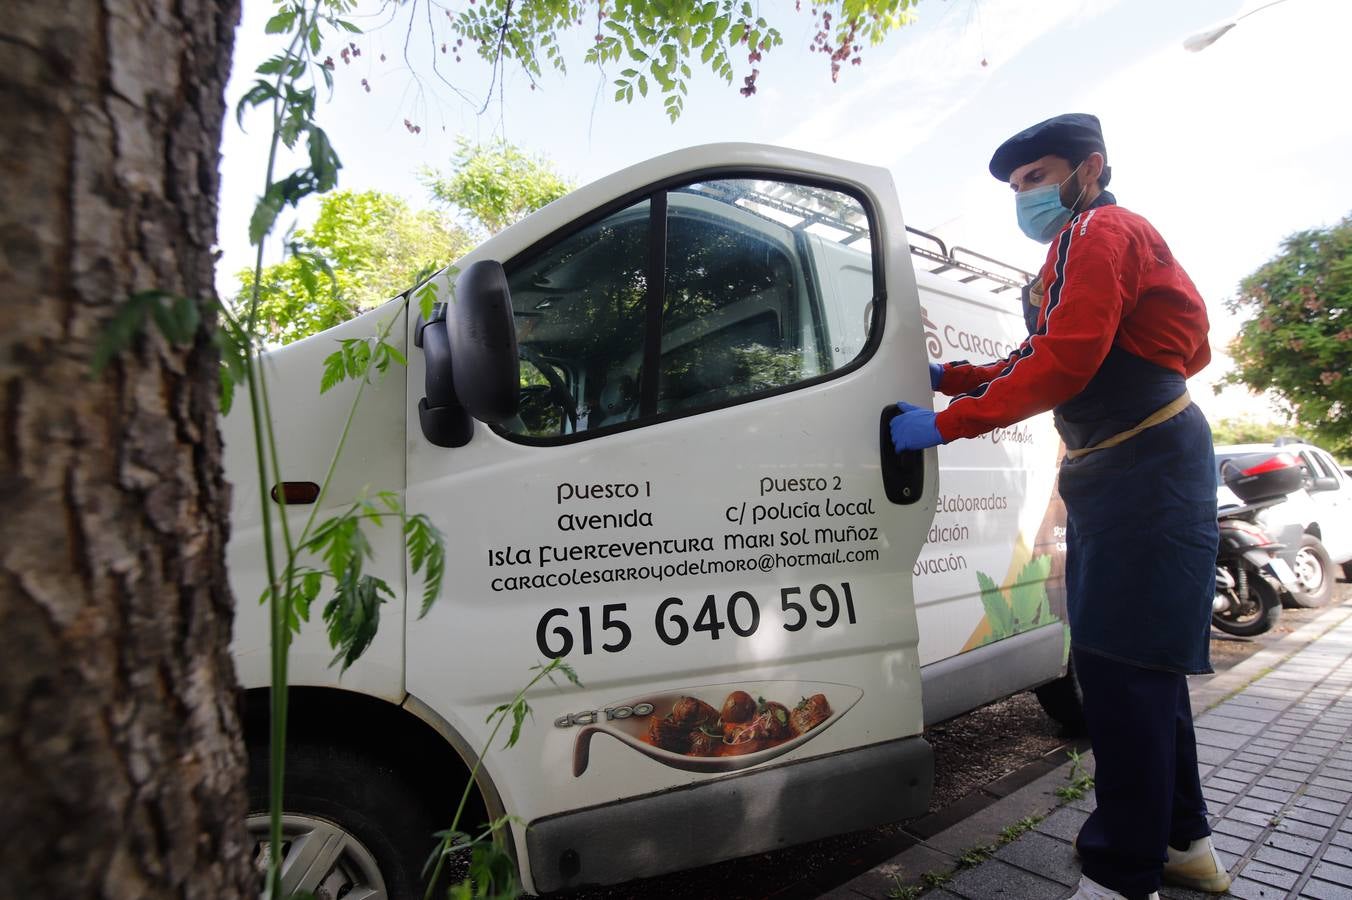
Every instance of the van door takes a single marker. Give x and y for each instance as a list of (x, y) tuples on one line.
[(689, 506)]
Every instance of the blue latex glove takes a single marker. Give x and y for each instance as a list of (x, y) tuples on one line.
[(936, 375), (914, 429)]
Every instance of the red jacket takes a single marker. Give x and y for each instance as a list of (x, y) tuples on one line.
[(1109, 280)]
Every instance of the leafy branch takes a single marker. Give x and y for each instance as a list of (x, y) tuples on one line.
[(491, 872), (659, 43)]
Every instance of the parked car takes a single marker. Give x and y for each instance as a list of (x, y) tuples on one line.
[(1322, 507)]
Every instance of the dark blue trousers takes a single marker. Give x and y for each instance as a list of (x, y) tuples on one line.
[(1146, 782)]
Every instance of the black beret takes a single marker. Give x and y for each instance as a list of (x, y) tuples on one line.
[(1072, 136)]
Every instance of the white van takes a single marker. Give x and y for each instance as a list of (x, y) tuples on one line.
[(694, 502)]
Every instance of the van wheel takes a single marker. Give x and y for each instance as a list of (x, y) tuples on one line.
[(1062, 700), (1314, 574), (351, 826)]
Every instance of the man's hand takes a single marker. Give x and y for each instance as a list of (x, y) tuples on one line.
[(936, 375), (914, 429)]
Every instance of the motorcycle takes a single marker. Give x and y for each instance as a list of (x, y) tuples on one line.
[(1250, 575)]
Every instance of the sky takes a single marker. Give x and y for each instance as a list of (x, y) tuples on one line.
[(1226, 151)]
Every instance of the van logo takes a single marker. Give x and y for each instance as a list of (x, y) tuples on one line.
[(611, 713), (932, 343)]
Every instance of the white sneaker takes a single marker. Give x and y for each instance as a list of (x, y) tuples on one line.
[(1090, 889), (1199, 867)]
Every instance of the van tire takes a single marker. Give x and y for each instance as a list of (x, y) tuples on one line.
[(1315, 570), (372, 802), (1061, 699)]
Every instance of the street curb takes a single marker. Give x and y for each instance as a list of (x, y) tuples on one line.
[(939, 852)]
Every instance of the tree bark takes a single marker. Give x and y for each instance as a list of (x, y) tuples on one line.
[(121, 760)]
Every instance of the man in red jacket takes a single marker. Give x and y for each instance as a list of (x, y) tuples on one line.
[(1116, 328)]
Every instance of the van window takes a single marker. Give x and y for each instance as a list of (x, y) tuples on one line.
[(762, 285), (579, 309), (756, 283)]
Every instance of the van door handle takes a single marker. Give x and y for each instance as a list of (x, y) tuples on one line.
[(903, 473)]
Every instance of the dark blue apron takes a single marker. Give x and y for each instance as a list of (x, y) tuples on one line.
[(1141, 520)]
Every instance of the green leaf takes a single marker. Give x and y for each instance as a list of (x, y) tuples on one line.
[(353, 616), (176, 317), (274, 66), (998, 613), (643, 85), (735, 36), (323, 160), (427, 299), (567, 670), (394, 353), (120, 331), (520, 709), (347, 26), (257, 95), (265, 214), (280, 22), (426, 554), (310, 586), (226, 397), (357, 357), (335, 369)]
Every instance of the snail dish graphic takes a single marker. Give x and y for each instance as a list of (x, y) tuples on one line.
[(685, 730)]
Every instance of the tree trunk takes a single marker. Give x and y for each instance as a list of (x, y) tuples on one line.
[(121, 760)]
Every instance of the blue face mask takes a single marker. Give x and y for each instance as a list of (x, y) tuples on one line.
[(1041, 212)]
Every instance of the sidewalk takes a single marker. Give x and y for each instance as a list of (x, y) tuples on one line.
[(1274, 739)]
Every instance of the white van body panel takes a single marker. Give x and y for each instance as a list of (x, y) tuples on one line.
[(308, 426)]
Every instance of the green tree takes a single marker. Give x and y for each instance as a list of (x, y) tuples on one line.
[(1297, 340), (364, 248), (495, 184), (1245, 430)]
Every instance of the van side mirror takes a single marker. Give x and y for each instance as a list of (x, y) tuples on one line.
[(1324, 483), (444, 420), (472, 365), (484, 358)]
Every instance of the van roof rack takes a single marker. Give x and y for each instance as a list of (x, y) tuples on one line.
[(956, 263), (801, 207)]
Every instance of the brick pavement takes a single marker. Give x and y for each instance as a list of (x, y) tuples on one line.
[(1276, 756)]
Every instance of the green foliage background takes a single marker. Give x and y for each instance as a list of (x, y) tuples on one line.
[(364, 248), (1297, 340), (495, 184)]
